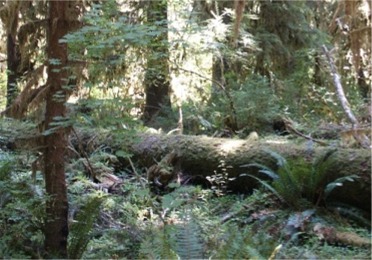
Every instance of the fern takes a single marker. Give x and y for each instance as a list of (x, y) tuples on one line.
[(182, 239), (238, 243), (157, 245), (287, 182), (81, 229), (291, 182), (359, 216), (266, 185), (316, 179), (338, 183), (297, 182), (264, 169), (187, 238)]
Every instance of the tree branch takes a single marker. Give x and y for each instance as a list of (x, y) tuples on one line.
[(340, 91), (361, 138)]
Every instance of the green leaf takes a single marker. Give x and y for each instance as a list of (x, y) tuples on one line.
[(338, 183), (266, 185), (263, 169), (121, 153)]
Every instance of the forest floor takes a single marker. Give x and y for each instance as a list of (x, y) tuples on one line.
[(121, 215)]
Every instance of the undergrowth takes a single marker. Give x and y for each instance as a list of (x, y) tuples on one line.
[(22, 212), (187, 223), (298, 183)]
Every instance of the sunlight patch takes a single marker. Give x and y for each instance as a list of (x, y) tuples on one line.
[(276, 141), (231, 145)]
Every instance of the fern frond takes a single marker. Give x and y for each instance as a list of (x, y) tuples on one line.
[(264, 169), (337, 183), (157, 245), (266, 185), (280, 160), (324, 159), (80, 230), (239, 244), (6, 165), (188, 240), (320, 166), (270, 173)]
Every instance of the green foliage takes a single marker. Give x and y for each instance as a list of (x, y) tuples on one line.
[(180, 239), (191, 229), (22, 212), (3, 79), (298, 183), (107, 38), (114, 113), (284, 27), (256, 103), (272, 69), (184, 232), (313, 249), (123, 222), (187, 223), (188, 237), (356, 216), (200, 119), (157, 246), (239, 243), (80, 231)]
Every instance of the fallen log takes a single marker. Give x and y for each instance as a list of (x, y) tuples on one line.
[(204, 156), (200, 155)]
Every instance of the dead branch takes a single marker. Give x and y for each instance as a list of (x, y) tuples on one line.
[(339, 89), (362, 140), (290, 128)]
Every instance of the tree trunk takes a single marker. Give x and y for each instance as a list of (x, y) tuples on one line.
[(13, 65), (157, 83), (13, 58), (56, 226), (364, 87), (201, 156)]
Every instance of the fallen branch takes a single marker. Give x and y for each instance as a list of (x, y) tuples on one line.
[(290, 128), (332, 236)]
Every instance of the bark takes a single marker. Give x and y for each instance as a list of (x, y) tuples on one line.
[(157, 84), (364, 87), (13, 62), (239, 10), (56, 226), (201, 156), (13, 59)]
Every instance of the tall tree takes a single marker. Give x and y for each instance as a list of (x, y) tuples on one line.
[(157, 83), (25, 25), (10, 17), (56, 226)]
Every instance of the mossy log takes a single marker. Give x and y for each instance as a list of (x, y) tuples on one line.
[(200, 155)]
